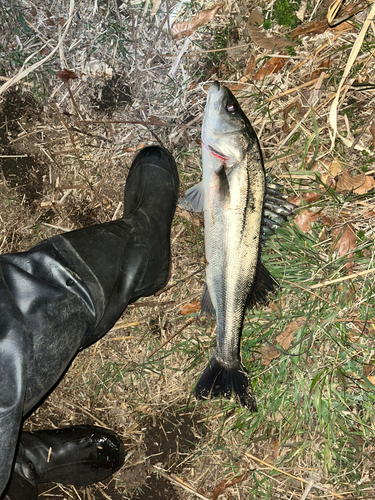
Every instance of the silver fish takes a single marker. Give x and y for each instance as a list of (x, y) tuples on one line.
[(232, 195)]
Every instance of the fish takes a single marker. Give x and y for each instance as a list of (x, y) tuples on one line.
[(242, 207)]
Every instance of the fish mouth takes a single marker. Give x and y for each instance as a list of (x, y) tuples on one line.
[(214, 91)]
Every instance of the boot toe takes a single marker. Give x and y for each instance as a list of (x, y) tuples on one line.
[(156, 156), (78, 455), (110, 450)]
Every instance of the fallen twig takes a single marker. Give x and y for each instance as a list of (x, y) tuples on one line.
[(178, 482), (191, 320), (343, 278)]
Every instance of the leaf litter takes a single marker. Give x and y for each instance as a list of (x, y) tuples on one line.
[(146, 367)]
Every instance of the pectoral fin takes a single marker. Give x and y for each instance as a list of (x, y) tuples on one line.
[(193, 199), (223, 183)]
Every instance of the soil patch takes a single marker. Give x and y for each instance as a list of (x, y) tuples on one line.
[(21, 171), (169, 441)]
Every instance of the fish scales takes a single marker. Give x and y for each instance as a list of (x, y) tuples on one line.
[(232, 195), (232, 262)]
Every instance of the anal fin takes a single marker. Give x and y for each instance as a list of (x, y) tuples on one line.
[(207, 306)]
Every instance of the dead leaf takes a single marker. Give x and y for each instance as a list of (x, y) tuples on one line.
[(187, 28), (65, 75), (348, 183), (305, 218), (318, 26), (223, 485), (345, 241), (334, 169), (250, 69), (371, 378), (285, 338), (372, 130), (327, 63), (368, 214), (154, 120), (306, 197), (155, 7), (189, 308), (268, 354), (366, 186), (293, 105), (275, 448), (236, 86), (135, 148), (274, 65), (275, 43)]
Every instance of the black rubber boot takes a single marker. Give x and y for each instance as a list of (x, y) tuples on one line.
[(130, 257), (78, 456)]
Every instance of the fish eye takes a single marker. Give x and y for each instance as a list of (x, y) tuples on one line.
[(231, 107)]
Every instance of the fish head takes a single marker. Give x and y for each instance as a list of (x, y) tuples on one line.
[(226, 131)]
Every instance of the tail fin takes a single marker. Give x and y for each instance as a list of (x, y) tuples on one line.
[(218, 380)]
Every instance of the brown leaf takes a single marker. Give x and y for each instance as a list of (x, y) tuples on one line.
[(327, 63), (275, 448), (250, 69), (318, 166), (135, 148), (154, 120), (371, 378), (320, 25), (348, 183), (285, 338), (306, 197), (187, 28), (334, 169), (155, 6), (296, 105), (368, 214), (65, 75), (366, 186), (223, 485), (305, 218), (274, 65), (346, 242), (191, 307), (275, 43), (268, 354), (236, 86), (316, 27)]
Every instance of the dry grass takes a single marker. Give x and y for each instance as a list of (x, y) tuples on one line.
[(78, 158)]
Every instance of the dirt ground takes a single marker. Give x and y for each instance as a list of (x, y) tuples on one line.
[(64, 163)]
